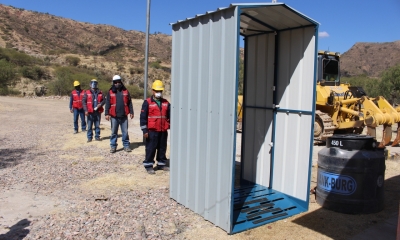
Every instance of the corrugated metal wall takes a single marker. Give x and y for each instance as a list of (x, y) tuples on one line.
[(295, 91), (291, 152), (204, 74), (260, 53)]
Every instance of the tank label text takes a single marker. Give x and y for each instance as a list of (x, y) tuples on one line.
[(335, 183), (337, 143)]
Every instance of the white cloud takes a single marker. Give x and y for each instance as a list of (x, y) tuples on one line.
[(323, 34)]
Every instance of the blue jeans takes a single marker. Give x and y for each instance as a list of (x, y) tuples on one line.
[(93, 119), (79, 113), (115, 123)]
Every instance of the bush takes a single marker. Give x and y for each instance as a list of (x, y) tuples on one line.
[(7, 72), (34, 73), (4, 91), (155, 65), (18, 58), (72, 61), (136, 70), (135, 91)]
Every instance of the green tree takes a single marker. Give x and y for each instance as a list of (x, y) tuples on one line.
[(391, 83), (63, 81), (368, 84), (7, 73), (34, 73)]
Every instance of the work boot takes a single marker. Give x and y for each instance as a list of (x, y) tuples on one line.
[(97, 139), (127, 149), (164, 168), (113, 150), (150, 170), (89, 140)]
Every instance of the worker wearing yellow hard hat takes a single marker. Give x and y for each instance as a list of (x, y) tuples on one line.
[(76, 107), (154, 122)]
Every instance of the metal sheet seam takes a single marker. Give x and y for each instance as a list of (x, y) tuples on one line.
[(276, 59), (313, 111), (305, 112), (237, 15), (243, 143)]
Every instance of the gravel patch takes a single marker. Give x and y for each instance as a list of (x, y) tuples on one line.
[(54, 185)]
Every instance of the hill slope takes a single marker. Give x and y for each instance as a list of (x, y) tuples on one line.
[(370, 59), (118, 51)]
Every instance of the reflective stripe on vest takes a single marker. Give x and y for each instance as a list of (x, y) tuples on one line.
[(89, 101), (113, 103), (77, 100), (157, 119)]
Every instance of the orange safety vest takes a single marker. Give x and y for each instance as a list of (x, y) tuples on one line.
[(157, 119), (113, 103), (89, 101), (77, 100)]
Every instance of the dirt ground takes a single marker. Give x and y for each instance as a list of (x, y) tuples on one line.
[(23, 201)]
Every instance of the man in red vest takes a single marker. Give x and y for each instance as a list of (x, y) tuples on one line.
[(75, 106), (93, 102), (154, 122), (118, 107)]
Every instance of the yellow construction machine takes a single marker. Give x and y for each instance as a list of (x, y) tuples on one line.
[(341, 108), (345, 109)]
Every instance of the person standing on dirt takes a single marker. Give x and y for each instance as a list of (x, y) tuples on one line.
[(93, 102), (118, 107), (76, 107), (154, 122)]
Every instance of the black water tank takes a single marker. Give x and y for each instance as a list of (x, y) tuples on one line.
[(351, 173)]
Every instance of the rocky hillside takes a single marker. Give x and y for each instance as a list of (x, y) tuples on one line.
[(39, 33), (370, 59), (118, 51), (98, 46)]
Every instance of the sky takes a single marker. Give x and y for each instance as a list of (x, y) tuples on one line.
[(342, 22)]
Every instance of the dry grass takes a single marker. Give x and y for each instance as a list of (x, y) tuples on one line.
[(134, 178)]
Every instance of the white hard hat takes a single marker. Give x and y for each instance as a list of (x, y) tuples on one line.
[(116, 77)]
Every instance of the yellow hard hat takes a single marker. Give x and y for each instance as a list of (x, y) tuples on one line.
[(158, 85), (76, 83)]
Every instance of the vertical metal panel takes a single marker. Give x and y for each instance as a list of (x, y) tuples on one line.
[(259, 101), (295, 91), (204, 75), (296, 55), (291, 166)]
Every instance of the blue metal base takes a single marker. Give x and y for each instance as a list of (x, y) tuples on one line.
[(256, 205)]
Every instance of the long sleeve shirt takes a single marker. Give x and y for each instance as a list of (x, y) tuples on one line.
[(119, 108), (144, 114), (95, 103), (71, 98)]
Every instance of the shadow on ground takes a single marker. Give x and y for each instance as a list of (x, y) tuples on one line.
[(108, 137), (340, 226), (12, 157), (17, 231), (135, 145)]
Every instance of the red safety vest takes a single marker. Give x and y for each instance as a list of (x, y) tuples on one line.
[(157, 119), (113, 103), (77, 100), (89, 101)]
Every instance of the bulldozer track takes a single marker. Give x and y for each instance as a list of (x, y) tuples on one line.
[(327, 127)]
